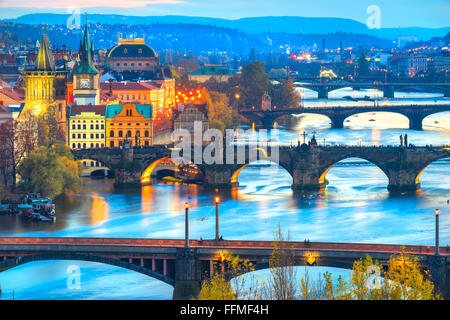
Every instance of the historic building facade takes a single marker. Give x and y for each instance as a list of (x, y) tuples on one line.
[(87, 127), (129, 122), (187, 115)]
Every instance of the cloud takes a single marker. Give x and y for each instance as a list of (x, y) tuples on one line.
[(56, 4)]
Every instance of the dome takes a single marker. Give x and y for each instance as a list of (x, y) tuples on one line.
[(132, 51)]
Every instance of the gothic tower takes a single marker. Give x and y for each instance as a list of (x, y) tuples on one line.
[(44, 85), (86, 78)]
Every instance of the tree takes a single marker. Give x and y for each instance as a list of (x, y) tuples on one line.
[(50, 171), (229, 285), (284, 95), (253, 83), (282, 281)]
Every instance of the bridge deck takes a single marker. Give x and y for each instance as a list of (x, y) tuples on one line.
[(30, 243)]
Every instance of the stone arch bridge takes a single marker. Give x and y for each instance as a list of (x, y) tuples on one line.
[(307, 165)]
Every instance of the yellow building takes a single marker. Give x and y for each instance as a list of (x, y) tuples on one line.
[(87, 127), (129, 122)]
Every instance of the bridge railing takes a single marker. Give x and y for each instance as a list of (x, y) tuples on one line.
[(223, 244)]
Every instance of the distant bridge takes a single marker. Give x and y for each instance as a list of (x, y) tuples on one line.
[(388, 88), (184, 267), (337, 115)]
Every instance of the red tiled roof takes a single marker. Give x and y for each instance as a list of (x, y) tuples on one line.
[(128, 86), (14, 94), (98, 109)]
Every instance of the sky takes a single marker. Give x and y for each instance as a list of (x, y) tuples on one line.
[(393, 13)]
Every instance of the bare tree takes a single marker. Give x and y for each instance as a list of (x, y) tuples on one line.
[(282, 284)]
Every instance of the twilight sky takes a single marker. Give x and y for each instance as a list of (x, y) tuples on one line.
[(394, 13)]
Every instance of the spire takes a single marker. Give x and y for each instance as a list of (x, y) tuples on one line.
[(44, 60), (85, 54)]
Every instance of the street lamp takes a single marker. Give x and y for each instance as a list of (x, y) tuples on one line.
[(436, 250), (217, 201), (186, 225)]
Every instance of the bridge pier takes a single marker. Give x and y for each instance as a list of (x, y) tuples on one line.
[(126, 178), (415, 122), (322, 93), (388, 92), (337, 121), (439, 274), (219, 176), (187, 274)]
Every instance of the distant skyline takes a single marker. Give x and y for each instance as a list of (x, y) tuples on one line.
[(398, 13)]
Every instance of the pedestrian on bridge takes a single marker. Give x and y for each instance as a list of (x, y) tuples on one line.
[(406, 140), (401, 141)]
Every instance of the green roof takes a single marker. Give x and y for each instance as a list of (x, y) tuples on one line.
[(114, 109), (86, 52), (212, 70)]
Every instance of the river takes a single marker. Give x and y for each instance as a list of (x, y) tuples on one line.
[(355, 207)]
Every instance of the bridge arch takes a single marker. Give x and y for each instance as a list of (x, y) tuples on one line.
[(14, 262), (324, 170), (300, 116), (89, 166), (401, 116), (428, 119), (444, 160), (237, 171)]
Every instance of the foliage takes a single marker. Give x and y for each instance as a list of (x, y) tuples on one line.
[(403, 280), (50, 171), (229, 285), (282, 281), (253, 83), (284, 95)]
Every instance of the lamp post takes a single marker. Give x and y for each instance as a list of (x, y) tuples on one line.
[(217, 200), (436, 249), (186, 225)]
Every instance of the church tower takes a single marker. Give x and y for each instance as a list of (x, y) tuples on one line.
[(86, 78), (45, 85)]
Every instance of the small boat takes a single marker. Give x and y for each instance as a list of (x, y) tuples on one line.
[(372, 120), (8, 208), (27, 211), (172, 179), (42, 207), (189, 173)]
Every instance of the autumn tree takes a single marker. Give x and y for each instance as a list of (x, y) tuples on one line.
[(253, 83), (284, 95), (231, 284)]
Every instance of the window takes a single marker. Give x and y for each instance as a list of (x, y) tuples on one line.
[(111, 144), (79, 146), (92, 126), (84, 127), (146, 133), (73, 135), (79, 127), (102, 126), (74, 126), (84, 135), (96, 126), (111, 133), (129, 133), (120, 134), (74, 145), (92, 145)]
